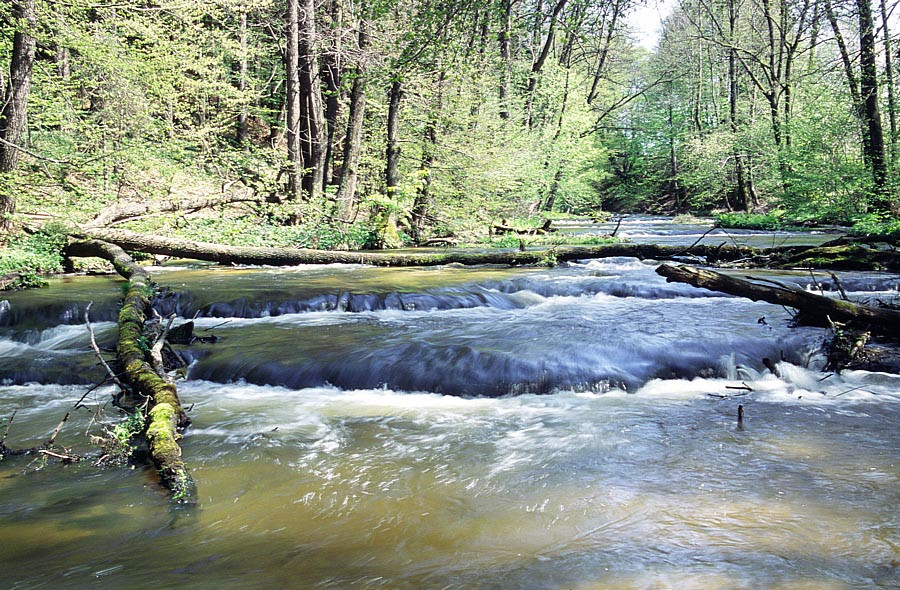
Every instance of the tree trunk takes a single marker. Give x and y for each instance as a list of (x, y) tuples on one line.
[(13, 120), (538, 63), (554, 188), (292, 71), (243, 83), (868, 89), (429, 146), (604, 52), (386, 217), (889, 82), (346, 194), (332, 72), (506, 57), (392, 153), (312, 128), (742, 198), (810, 305)]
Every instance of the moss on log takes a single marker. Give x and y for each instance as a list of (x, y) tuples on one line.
[(166, 415), (292, 256), (884, 321)]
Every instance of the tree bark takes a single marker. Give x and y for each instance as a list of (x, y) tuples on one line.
[(346, 194), (812, 306), (506, 57), (429, 147), (13, 116), (392, 153), (243, 82), (868, 88), (889, 82), (604, 51), (742, 198), (292, 90), (332, 74), (538, 63), (312, 125)]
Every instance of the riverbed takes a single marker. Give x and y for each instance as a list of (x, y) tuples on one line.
[(467, 428)]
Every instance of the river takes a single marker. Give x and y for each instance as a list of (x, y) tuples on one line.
[(450, 427)]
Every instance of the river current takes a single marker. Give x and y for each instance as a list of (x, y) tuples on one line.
[(466, 428)]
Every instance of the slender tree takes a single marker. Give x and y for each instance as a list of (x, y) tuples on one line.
[(868, 88), (13, 119)]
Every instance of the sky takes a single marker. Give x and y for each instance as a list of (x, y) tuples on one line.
[(646, 21)]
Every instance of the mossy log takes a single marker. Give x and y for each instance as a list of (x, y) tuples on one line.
[(852, 256), (165, 416), (292, 256), (883, 321)]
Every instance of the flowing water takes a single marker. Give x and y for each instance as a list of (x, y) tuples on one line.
[(590, 441)]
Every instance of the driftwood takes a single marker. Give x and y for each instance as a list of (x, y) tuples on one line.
[(823, 309), (165, 416), (291, 256)]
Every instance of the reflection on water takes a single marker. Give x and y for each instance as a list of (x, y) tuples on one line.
[(358, 474)]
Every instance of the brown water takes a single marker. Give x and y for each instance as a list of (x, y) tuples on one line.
[(325, 459)]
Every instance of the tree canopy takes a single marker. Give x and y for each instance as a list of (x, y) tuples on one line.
[(358, 123)]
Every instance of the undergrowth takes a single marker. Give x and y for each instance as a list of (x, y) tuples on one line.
[(33, 255)]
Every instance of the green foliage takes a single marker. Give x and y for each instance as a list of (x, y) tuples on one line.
[(877, 225), (119, 442), (33, 255), (773, 220)]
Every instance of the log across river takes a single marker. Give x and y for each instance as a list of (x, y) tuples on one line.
[(592, 441)]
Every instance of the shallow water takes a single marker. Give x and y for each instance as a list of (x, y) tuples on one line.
[(656, 229), (595, 446)]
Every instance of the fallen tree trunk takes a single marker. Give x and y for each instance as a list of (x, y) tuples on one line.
[(290, 256), (852, 256), (884, 321), (165, 416)]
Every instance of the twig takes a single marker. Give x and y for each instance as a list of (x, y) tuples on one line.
[(59, 456), (93, 388), (109, 371), (840, 287), (33, 154), (8, 425), (216, 326), (852, 389), (688, 249), (816, 283), (743, 386), (618, 223), (59, 427)]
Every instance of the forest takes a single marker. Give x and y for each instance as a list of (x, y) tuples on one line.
[(421, 294), (371, 124)]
